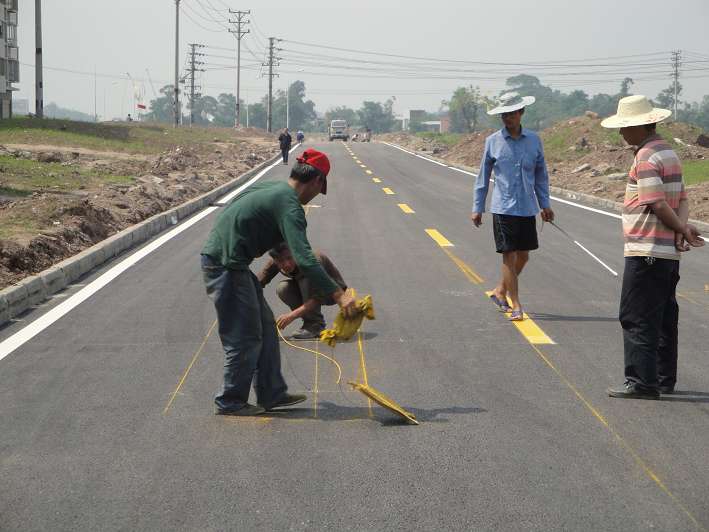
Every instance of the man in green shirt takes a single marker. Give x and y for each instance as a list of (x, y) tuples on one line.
[(259, 218)]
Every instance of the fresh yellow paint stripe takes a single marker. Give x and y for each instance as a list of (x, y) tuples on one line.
[(439, 238), (404, 207), (358, 161), (529, 329), (389, 191), (471, 274), (532, 332), (376, 180), (369, 172), (363, 165)]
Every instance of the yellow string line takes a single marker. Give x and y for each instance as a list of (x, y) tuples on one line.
[(194, 359), (638, 460), (318, 353)]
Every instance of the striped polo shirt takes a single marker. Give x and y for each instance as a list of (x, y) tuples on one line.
[(656, 174)]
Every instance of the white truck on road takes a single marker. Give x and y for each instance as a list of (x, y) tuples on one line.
[(338, 130)]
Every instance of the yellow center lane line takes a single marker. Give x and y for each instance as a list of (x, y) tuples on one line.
[(369, 172), (439, 238), (363, 165), (389, 191), (358, 161), (376, 180), (404, 207)]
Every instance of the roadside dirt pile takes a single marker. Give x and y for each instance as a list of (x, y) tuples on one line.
[(584, 157), (80, 196)]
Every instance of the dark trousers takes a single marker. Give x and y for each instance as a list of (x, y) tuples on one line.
[(284, 153), (649, 316), (294, 293), (248, 334)]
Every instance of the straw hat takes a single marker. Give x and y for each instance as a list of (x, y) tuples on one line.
[(635, 111), (511, 101)]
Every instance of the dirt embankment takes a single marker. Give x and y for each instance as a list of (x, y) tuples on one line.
[(56, 201), (584, 157)]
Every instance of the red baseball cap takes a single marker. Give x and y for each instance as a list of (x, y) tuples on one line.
[(319, 160)]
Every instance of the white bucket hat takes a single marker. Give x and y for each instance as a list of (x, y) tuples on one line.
[(635, 111), (511, 101)]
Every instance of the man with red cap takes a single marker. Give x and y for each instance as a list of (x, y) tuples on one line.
[(258, 219)]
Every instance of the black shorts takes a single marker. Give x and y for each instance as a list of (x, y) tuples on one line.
[(514, 233)]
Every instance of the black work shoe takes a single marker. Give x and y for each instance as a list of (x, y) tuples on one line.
[(305, 334), (630, 390), (666, 390), (246, 410), (288, 400)]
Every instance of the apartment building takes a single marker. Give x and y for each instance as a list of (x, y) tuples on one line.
[(9, 58)]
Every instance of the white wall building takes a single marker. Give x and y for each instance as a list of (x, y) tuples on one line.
[(9, 56)]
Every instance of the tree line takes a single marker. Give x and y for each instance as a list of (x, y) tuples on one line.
[(466, 108)]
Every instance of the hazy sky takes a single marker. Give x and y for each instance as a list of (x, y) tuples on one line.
[(136, 36)]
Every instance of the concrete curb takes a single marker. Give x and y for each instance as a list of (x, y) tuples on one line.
[(16, 299), (579, 197)]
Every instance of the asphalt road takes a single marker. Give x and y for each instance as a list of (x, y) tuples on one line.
[(106, 415)]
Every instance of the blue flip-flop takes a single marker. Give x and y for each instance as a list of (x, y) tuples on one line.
[(502, 306), (517, 315)]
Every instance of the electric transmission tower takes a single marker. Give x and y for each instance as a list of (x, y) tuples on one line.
[(676, 63), (240, 22), (273, 61), (194, 67)]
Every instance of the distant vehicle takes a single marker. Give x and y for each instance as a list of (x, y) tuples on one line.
[(338, 130)]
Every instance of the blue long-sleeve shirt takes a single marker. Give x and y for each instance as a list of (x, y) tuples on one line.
[(521, 178)]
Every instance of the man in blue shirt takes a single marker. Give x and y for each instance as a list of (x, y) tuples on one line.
[(521, 190)]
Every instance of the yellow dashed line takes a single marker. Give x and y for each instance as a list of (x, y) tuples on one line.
[(439, 238), (376, 180), (369, 172), (389, 191), (358, 161), (404, 207), (363, 165)]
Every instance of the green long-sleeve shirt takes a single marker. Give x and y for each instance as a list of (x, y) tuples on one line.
[(262, 216)]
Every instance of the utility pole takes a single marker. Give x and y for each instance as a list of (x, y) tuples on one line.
[(193, 69), (177, 63), (39, 84), (272, 61), (239, 32), (676, 58)]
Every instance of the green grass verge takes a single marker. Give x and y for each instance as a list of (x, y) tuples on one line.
[(20, 177), (695, 172), (141, 138)]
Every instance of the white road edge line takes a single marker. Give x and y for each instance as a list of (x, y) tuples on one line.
[(28, 332), (560, 200)]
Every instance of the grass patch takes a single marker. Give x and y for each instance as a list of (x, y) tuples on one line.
[(449, 139), (143, 138), (695, 172), (23, 176)]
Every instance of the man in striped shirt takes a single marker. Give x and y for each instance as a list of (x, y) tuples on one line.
[(655, 230)]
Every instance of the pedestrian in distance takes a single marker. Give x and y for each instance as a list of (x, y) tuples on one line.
[(258, 219), (285, 141), (300, 136), (297, 291), (655, 232), (521, 189)]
